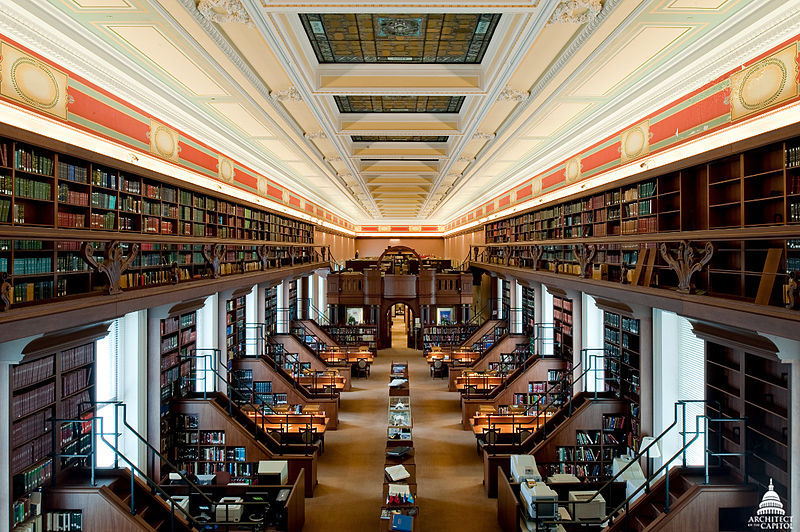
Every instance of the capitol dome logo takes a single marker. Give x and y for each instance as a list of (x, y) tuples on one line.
[(770, 514)]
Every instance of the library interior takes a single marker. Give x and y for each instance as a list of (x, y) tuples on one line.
[(475, 266)]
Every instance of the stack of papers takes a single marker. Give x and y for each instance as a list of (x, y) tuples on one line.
[(399, 489), (398, 382), (397, 472)]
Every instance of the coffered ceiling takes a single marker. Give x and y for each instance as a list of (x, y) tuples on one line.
[(394, 112)]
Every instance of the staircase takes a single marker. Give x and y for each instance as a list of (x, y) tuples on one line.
[(314, 328), (147, 507), (275, 447), (692, 504), (482, 335)]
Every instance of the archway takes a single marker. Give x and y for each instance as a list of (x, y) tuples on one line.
[(410, 312)]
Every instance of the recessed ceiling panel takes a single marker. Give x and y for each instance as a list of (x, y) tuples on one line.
[(399, 104), (397, 38), (399, 138)]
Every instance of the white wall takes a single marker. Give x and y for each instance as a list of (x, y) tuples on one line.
[(592, 339)]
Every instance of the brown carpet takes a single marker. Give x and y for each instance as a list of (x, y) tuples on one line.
[(449, 472)]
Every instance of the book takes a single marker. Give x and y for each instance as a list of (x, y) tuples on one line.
[(397, 472), (403, 523)]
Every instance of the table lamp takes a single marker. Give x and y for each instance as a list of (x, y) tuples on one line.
[(653, 451)]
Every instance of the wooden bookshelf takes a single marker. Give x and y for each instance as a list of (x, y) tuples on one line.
[(292, 306), (562, 327), (235, 333), (271, 310), (546, 393), (741, 383), (446, 335), (528, 311), (591, 457), (178, 335), (204, 452), (750, 190), (353, 335), (622, 367), (43, 189), (55, 380)]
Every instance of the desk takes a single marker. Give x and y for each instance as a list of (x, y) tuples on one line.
[(321, 381), (346, 356), (450, 355), (480, 382), (290, 423), (507, 424)]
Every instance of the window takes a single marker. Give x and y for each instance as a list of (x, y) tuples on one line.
[(593, 343), (679, 374), (107, 391), (546, 331)]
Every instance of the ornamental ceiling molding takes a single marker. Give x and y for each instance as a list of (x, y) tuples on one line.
[(286, 95), (513, 95), (773, 31), (565, 12), (224, 11), (314, 135), (482, 135)]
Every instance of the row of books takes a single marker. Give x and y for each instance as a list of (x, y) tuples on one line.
[(64, 521), (29, 427), (33, 161), (104, 178), (130, 185), (31, 188), (75, 381), (31, 453), (25, 403), (71, 172), (37, 291), (103, 221), (641, 225), (32, 372), (104, 201), (6, 184), (24, 508), (77, 356), (32, 265), (69, 219), (73, 407), (588, 437), (73, 197), (33, 478)]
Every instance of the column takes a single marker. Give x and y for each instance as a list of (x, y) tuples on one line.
[(313, 296), (515, 307), (645, 317), (499, 304), (221, 363), (10, 354), (538, 317), (251, 331), (577, 337), (283, 307), (301, 306)]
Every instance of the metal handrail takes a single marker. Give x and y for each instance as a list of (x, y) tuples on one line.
[(321, 346)]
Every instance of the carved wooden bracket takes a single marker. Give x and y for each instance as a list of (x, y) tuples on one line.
[(6, 289), (506, 256), (291, 255), (175, 273), (584, 253), (263, 256), (114, 262), (624, 271), (213, 254), (684, 263), (536, 254)]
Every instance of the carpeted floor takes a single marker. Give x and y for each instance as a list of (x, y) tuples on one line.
[(449, 472)]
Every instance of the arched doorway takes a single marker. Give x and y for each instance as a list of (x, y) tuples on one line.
[(393, 314)]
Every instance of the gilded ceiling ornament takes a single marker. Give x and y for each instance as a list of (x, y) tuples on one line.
[(286, 95), (483, 135), (313, 135), (333, 159), (512, 95), (465, 159), (575, 12), (224, 11)]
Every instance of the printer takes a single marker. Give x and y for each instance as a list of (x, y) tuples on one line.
[(539, 500), (523, 467), (273, 472), (229, 509)]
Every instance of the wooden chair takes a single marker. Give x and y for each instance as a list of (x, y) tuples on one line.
[(311, 438), (438, 369), (361, 368), (489, 438)]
